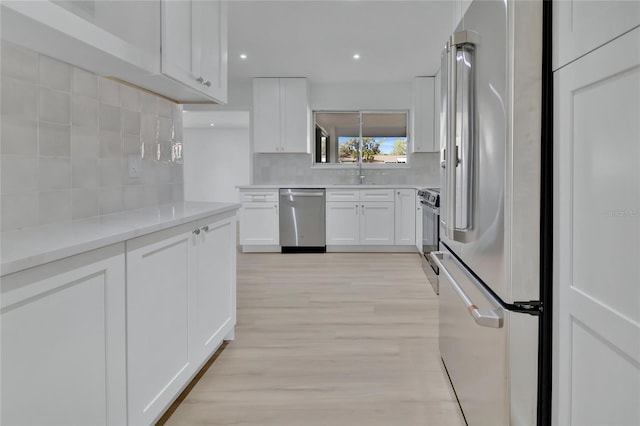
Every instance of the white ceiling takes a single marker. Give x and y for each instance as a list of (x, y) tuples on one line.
[(396, 39)]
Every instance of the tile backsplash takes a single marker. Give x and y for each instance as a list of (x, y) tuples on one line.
[(423, 170), (66, 139)]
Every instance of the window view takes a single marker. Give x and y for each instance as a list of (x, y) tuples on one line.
[(370, 137)]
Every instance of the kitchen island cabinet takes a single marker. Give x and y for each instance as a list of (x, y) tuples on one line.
[(63, 341), (259, 220), (180, 306), (106, 320)]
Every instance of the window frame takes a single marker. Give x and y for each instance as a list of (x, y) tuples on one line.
[(360, 164)]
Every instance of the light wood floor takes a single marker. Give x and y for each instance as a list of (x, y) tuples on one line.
[(328, 339)]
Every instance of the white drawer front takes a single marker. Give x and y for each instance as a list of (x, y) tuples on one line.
[(376, 195), (343, 195), (259, 196)]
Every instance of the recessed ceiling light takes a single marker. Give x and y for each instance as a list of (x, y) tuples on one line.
[(211, 124), (243, 56), (356, 56)]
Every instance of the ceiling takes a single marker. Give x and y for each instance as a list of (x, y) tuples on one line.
[(396, 40)]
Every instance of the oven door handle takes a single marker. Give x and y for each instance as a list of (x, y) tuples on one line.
[(484, 317)]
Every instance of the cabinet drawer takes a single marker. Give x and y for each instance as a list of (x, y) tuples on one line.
[(376, 195), (259, 197), (343, 195)]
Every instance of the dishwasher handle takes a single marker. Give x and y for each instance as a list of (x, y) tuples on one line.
[(302, 194)]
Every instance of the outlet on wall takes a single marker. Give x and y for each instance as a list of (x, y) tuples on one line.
[(135, 166)]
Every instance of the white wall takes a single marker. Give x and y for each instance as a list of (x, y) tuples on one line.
[(215, 162), (360, 96)]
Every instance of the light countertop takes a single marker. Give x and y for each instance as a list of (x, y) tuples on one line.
[(30, 247), (331, 186)]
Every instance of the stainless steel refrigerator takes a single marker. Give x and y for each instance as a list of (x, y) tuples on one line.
[(489, 258)]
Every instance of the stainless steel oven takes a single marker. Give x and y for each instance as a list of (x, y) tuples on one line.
[(430, 203)]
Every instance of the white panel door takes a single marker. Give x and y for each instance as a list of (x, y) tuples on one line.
[(423, 115), (597, 237), (259, 224), (213, 292), (580, 26), (343, 223), (266, 115), (377, 223), (157, 320), (294, 115), (211, 43), (63, 342), (418, 219), (180, 56), (405, 217)]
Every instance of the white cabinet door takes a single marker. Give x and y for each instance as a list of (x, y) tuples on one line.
[(63, 342), (280, 115), (597, 244), (212, 290), (157, 320), (294, 111), (580, 26), (259, 224), (423, 115), (376, 223), (343, 223), (418, 219), (405, 217), (266, 115), (194, 45)]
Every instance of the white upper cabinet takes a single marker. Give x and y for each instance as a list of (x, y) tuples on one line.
[(423, 112), (281, 115), (128, 41), (194, 45), (580, 26)]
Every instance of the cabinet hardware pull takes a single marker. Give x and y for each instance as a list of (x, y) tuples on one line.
[(200, 80), (197, 232), (207, 83), (205, 228)]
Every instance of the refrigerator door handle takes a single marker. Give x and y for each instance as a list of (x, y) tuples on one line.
[(483, 317), (451, 151)]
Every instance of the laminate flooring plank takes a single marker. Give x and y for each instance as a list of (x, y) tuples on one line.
[(340, 339)]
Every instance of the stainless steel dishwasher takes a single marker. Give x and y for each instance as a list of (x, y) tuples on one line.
[(302, 220)]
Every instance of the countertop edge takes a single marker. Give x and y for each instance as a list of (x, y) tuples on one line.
[(102, 236)]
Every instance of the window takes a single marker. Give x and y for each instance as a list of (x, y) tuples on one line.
[(367, 137)]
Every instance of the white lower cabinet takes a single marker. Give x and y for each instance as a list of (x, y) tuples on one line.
[(418, 219), (357, 221), (259, 218), (405, 217), (180, 306), (63, 342)]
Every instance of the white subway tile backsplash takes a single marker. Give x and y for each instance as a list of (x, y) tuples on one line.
[(18, 210), (110, 172), (84, 111), (109, 118), (54, 106), (55, 140), (54, 74), (66, 137), (130, 122), (110, 144), (54, 206), (84, 142), (19, 137), (111, 200), (85, 172), (84, 83), (19, 100), (85, 203), (55, 173), (130, 99), (109, 91), (19, 173), (19, 63), (133, 197)]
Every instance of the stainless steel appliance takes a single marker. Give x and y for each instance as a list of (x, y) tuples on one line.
[(430, 203), (302, 220), (490, 212)]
